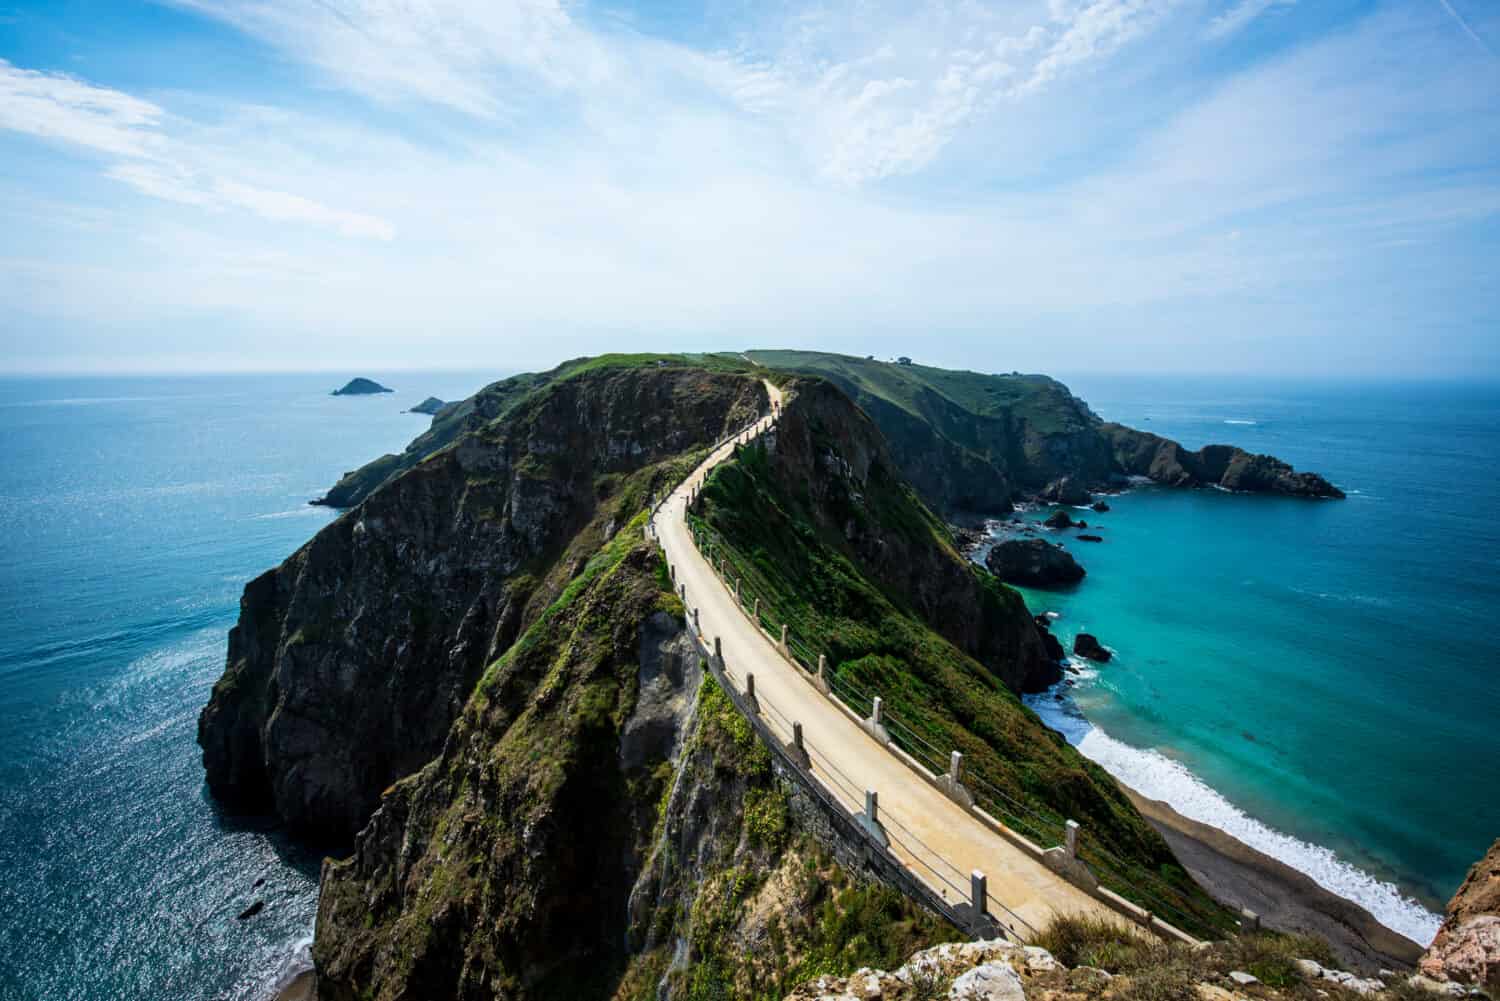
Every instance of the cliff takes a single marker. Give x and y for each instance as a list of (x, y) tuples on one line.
[(601, 823), (971, 442), (1467, 947), (351, 660)]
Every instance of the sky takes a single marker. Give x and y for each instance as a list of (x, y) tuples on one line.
[(1251, 186)]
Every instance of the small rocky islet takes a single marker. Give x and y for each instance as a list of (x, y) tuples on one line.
[(361, 386)]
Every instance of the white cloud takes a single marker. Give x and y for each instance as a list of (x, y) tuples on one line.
[(1240, 15), (61, 108), (151, 160)]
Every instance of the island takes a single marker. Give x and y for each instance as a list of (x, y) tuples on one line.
[(429, 406), (361, 387)]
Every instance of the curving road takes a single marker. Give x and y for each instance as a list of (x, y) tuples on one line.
[(933, 836)]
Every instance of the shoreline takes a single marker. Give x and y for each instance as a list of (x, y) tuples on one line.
[(1285, 899)]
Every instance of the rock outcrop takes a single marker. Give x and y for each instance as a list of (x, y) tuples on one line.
[(351, 660), (1467, 947), (1088, 645), (1140, 453), (1034, 563), (361, 387), (429, 406)]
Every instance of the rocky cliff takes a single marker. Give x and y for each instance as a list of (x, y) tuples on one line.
[(1467, 947), (972, 442), (601, 823), (835, 460), (351, 660)]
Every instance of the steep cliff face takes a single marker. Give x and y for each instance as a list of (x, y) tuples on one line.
[(974, 442), (351, 660), (830, 456), (601, 823), (1467, 947)]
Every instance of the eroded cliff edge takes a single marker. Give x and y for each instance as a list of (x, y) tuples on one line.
[(351, 660)]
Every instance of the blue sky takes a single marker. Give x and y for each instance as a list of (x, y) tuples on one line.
[(1260, 186)]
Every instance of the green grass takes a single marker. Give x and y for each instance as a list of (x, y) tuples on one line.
[(1042, 401)]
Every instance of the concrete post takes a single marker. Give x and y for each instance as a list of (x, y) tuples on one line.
[(955, 767), (784, 648), (979, 894), (737, 597), (682, 592), (1249, 920), (756, 614), (719, 650), (822, 679), (697, 625), (1070, 835), (872, 806), (750, 692), (875, 711), (671, 571), (797, 738)]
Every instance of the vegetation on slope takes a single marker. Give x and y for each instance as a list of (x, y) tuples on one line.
[(796, 556)]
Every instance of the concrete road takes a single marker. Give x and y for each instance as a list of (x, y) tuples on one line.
[(937, 839)]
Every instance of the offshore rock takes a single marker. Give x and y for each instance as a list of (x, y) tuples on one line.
[(1088, 645), (1034, 563), (361, 387)]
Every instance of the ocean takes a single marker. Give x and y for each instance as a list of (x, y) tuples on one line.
[(1325, 668), (135, 510), (1320, 679)]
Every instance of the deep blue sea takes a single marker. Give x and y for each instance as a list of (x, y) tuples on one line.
[(1323, 673), (134, 511)]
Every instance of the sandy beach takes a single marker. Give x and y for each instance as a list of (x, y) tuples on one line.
[(1285, 899)]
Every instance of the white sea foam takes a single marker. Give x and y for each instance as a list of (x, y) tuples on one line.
[(1156, 776), (1233, 421), (305, 511)]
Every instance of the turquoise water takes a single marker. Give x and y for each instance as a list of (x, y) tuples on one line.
[(1330, 668), (134, 512), (1320, 678)]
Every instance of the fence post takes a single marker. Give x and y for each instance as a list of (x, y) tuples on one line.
[(671, 571), (750, 693), (785, 651), (797, 750), (1249, 920), (979, 894), (719, 650), (875, 707), (682, 592), (697, 624), (756, 614), (1070, 838), (872, 806), (821, 681), (955, 767), (738, 599)]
